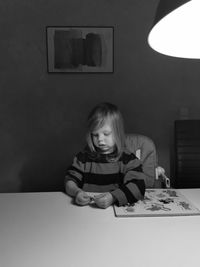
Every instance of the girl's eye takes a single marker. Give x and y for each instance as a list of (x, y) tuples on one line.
[(94, 135), (107, 134)]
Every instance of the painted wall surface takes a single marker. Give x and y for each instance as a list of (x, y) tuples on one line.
[(42, 115)]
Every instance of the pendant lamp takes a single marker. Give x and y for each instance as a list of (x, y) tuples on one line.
[(176, 29)]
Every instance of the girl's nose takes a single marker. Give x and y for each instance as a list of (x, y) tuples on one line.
[(100, 139)]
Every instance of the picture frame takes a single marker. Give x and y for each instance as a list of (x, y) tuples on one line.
[(77, 49)]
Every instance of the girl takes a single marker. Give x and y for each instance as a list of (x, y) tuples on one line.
[(105, 165)]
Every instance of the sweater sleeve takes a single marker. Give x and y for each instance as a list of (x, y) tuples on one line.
[(132, 188), (75, 172)]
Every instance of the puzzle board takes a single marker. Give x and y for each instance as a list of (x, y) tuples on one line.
[(159, 202)]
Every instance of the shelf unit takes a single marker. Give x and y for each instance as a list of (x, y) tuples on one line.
[(187, 154)]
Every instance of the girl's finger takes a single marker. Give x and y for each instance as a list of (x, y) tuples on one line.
[(86, 197), (99, 196)]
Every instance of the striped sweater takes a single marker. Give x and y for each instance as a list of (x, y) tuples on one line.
[(123, 178)]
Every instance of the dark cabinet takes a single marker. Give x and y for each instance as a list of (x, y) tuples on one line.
[(187, 154)]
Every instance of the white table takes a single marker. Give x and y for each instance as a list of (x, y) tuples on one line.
[(46, 230)]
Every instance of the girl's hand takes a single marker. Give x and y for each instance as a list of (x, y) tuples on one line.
[(104, 200), (82, 198)]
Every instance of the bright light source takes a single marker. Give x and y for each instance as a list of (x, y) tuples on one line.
[(178, 33)]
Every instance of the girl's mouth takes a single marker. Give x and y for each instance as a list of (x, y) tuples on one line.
[(103, 147)]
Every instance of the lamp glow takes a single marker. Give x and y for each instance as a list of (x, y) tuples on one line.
[(178, 33)]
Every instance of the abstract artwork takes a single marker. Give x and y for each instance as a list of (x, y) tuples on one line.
[(80, 49), (159, 202)]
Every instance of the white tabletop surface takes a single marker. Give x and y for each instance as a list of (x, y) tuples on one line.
[(47, 230)]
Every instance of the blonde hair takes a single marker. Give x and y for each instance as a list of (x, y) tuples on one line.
[(96, 119)]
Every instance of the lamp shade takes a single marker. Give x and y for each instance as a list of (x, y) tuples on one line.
[(176, 28)]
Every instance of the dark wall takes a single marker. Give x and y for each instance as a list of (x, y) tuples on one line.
[(42, 115)]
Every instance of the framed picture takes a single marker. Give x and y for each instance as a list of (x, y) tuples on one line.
[(80, 49)]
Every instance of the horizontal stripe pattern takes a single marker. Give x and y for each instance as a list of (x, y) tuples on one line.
[(75, 173), (134, 189), (120, 196), (103, 179), (104, 168), (123, 178), (97, 188), (129, 195), (76, 169), (75, 179), (134, 174)]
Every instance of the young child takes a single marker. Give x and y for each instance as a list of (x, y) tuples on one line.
[(105, 165)]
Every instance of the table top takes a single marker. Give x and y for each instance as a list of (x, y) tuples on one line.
[(47, 230)]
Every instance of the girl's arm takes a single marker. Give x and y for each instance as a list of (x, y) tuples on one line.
[(133, 187), (72, 188), (81, 197), (74, 176), (74, 181)]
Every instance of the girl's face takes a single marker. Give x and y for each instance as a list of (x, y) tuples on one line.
[(103, 138)]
